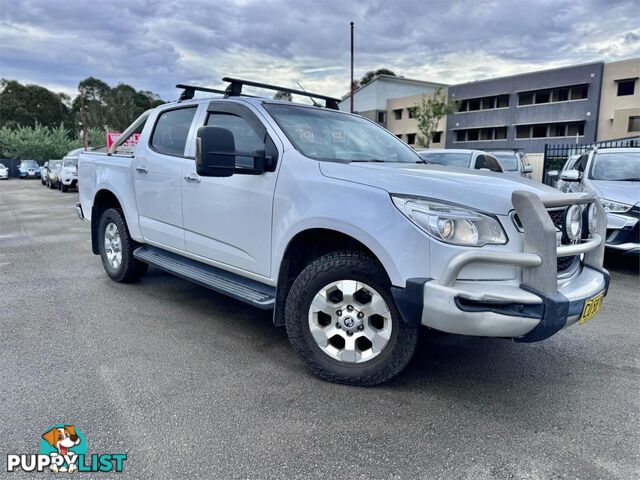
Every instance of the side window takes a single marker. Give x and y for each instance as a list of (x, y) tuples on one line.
[(171, 131), (492, 163), (247, 140), (480, 162), (582, 163)]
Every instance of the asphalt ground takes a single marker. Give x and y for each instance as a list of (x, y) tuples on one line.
[(191, 384)]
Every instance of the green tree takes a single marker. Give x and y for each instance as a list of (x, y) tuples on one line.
[(28, 105), (371, 74), (36, 143), (429, 112)]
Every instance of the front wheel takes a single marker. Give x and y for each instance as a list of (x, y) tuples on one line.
[(64, 188), (342, 320), (116, 248)]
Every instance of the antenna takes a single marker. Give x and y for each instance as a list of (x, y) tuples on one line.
[(315, 104)]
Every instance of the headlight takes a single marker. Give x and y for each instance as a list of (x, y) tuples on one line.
[(450, 223), (573, 223), (614, 207)]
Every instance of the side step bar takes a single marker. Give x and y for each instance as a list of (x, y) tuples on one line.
[(243, 289)]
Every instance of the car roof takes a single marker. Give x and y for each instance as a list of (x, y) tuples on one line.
[(448, 150), (619, 150)]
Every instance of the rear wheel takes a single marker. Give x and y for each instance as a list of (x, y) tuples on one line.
[(116, 248), (342, 321)]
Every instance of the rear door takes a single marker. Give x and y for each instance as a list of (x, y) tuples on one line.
[(157, 169), (227, 220)]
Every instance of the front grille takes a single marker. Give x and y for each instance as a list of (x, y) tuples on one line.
[(556, 215), (564, 264)]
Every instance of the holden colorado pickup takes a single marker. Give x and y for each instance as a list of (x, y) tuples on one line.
[(341, 229)]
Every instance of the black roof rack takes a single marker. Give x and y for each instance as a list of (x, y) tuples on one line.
[(234, 89), (236, 84)]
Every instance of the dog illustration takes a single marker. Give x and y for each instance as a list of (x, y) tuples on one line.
[(62, 439)]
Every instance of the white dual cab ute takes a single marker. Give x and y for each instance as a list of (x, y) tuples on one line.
[(341, 229)]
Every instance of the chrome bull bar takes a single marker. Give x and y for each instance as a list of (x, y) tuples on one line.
[(540, 255)]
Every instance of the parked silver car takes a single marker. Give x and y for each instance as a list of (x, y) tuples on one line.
[(474, 159), (512, 162), (613, 174), (4, 172)]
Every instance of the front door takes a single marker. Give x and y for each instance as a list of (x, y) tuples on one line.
[(157, 170), (227, 220)]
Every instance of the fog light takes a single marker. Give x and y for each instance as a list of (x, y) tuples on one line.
[(573, 223), (590, 218)]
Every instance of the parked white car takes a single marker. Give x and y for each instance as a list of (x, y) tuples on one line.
[(340, 228), (512, 162), (4, 172), (457, 157), (612, 174), (68, 171)]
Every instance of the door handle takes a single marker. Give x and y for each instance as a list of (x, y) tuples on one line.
[(191, 179), (142, 170)]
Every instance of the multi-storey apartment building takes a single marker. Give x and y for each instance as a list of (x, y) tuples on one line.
[(527, 111), (620, 100)]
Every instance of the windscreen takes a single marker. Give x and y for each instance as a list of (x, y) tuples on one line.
[(452, 159), (70, 162), (29, 164), (333, 136), (623, 166), (508, 161)]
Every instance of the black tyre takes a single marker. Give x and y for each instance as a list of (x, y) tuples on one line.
[(64, 188), (116, 248), (342, 320)]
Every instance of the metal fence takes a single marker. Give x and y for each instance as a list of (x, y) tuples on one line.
[(556, 155)]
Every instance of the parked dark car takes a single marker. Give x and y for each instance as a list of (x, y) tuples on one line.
[(29, 169)]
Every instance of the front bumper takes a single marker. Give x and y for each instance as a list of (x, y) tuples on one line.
[(70, 181), (623, 232), (532, 310)]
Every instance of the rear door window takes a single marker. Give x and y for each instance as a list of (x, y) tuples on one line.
[(171, 131)]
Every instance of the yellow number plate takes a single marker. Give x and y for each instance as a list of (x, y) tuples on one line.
[(591, 308)]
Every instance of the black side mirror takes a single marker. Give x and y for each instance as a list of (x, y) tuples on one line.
[(216, 154)]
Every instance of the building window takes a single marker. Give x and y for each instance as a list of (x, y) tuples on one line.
[(560, 94), (523, 131), (411, 112), (525, 98), (545, 130), (539, 131), (574, 129), (437, 137), (634, 124), (382, 117), (399, 135), (626, 87), (411, 138), (579, 92), (481, 134), (543, 96), (503, 101), (484, 103), (397, 114)]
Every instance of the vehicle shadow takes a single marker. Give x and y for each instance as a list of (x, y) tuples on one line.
[(614, 262), (444, 364)]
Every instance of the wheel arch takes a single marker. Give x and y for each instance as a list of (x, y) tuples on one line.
[(306, 246), (104, 199)]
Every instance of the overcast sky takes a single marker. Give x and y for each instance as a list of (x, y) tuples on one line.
[(154, 44)]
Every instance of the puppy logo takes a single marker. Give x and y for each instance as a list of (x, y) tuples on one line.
[(62, 439), (63, 448), (63, 442)]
